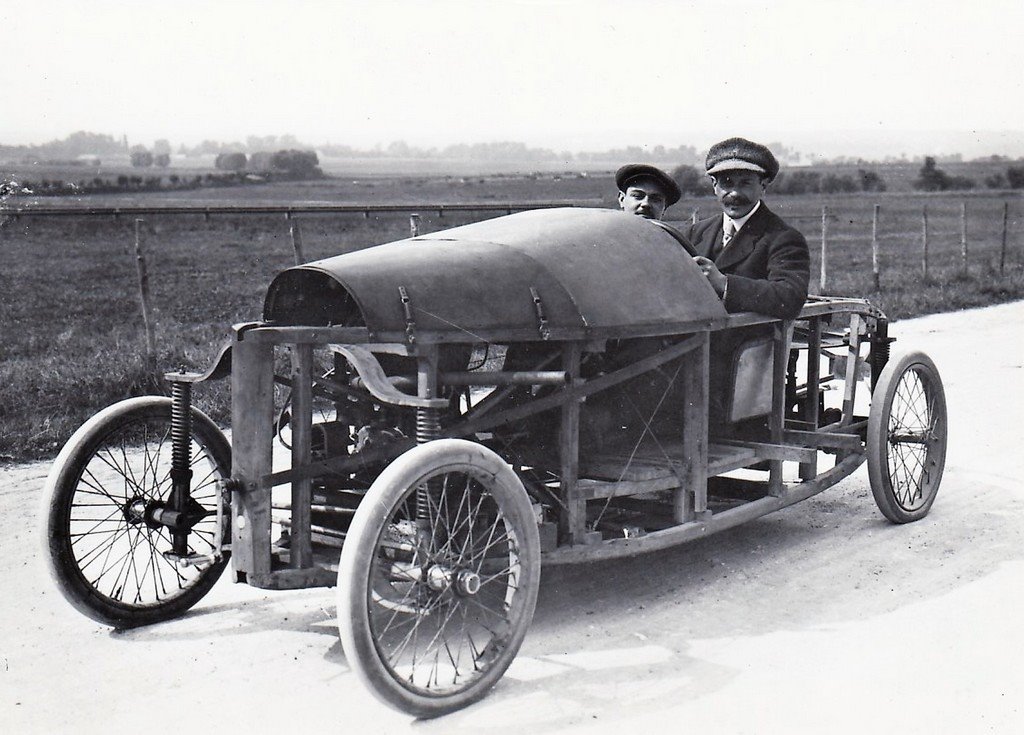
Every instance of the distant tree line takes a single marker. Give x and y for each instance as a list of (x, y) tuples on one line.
[(1013, 179), (287, 165), (694, 181), (285, 156), (125, 183), (684, 154), (513, 151), (252, 144), (932, 178), (814, 182), (294, 163), (141, 157), (76, 144)]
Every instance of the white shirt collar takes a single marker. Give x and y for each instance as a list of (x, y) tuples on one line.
[(738, 223)]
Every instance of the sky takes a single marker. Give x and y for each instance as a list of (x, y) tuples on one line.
[(569, 75)]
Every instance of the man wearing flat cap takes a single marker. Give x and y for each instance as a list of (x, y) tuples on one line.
[(751, 257), (645, 190)]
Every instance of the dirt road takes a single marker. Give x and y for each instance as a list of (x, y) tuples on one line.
[(820, 618)]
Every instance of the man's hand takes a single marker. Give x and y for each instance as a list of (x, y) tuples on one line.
[(715, 277)]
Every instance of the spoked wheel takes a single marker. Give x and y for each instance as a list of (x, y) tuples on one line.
[(438, 577), (906, 443), (108, 553)]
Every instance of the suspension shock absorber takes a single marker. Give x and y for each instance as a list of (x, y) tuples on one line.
[(428, 428), (181, 457), (880, 348)]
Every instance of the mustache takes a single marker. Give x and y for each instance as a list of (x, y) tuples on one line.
[(736, 200)]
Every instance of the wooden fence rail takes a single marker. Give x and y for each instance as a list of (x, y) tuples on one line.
[(290, 210), (925, 237), (827, 216)]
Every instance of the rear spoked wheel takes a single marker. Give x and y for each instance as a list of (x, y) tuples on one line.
[(107, 549), (438, 577), (906, 441)]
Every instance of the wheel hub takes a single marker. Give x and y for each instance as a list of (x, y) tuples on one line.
[(135, 510), (465, 582)]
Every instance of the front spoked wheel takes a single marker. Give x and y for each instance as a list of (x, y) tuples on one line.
[(438, 577), (107, 550), (906, 442)]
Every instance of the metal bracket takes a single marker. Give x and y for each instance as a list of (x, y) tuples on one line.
[(542, 320), (221, 368), (410, 323), (376, 382)]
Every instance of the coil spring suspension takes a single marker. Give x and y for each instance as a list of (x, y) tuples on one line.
[(181, 426), (880, 348), (181, 456), (428, 428)]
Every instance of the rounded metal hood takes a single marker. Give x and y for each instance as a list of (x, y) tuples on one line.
[(577, 269)]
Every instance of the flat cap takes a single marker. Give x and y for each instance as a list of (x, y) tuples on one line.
[(632, 171), (741, 154)]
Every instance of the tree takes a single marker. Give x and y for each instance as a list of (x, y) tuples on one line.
[(296, 163), (163, 160), (961, 182), (932, 178), (141, 157), (996, 180), (80, 143), (206, 148), (161, 147), (399, 149), (797, 182), (230, 161), (690, 179), (836, 183), (1015, 177), (870, 181), (260, 161)]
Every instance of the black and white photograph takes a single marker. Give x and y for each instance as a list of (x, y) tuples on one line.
[(565, 366)]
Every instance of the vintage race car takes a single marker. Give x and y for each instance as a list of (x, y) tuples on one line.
[(551, 386)]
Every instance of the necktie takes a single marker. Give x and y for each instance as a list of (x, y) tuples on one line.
[(730, 231), (727, 235)]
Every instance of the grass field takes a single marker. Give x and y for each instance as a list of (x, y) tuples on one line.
[(71, 338)]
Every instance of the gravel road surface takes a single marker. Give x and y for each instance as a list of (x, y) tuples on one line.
[(819, 618)]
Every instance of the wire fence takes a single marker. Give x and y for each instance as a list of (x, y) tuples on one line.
[(892, 232), (953, 235), (288, 210)]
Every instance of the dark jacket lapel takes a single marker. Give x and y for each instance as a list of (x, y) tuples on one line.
[(743, 243), (709, 243)]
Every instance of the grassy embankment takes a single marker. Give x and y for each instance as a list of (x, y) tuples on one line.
[(71, 338)]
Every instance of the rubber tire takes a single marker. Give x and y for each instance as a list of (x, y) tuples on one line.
[(353, 591), (888, 384), (61, 486)]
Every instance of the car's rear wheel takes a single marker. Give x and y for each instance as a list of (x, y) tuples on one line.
[(906, 440)]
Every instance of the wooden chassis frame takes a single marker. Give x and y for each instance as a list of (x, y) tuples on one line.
[(791, 438)]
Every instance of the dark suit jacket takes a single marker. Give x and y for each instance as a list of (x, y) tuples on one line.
[(767, 264)]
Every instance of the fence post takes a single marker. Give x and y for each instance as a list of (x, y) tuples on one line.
[(963, 237), (414, 225), (1002, 248), (140, 268), (924, 241), (875, 273), (296, 233), (823, 281)]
